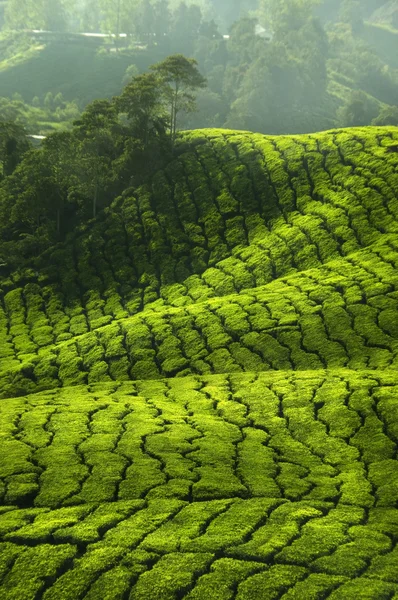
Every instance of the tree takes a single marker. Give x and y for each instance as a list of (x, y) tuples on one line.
[(185, 25), (130, 73), (49, 101), (269, 93), (61, 170), (35, 14), (144, 20), (142, 101), (181, 78), (13, 145), (118, 15), (22, 14), (286, 15), (211, 111), (233, 10), (243, 45), (37, 190), (53, 15), (161, 22), (351, 13), (357, 110), (388, 115), (58, 101), (90, 18), (96, 136)]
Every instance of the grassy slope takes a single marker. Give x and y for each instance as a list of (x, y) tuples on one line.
[(76, 70), (225, 342)]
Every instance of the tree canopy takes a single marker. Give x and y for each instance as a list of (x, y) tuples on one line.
[(113, 144)]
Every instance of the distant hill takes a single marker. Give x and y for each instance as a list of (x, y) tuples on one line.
[(73, 68), (384, 40), (386, 15)]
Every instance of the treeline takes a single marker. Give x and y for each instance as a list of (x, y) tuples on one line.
[(139, 17), (115, 144)]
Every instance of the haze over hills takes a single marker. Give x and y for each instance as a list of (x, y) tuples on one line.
[(320, 64), (199, 387)]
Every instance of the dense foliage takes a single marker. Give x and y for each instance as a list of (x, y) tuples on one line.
[(48, 191), (230, 214), (199, 388), (198, 329)]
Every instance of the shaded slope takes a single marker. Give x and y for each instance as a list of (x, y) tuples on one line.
[(343, 314)]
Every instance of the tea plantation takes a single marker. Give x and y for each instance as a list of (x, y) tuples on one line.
[(199, 390)]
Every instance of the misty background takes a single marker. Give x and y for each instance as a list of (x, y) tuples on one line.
[(271, 66)]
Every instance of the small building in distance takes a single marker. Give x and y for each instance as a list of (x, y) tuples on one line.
[(259, 31), (262, 32), (36, 139)]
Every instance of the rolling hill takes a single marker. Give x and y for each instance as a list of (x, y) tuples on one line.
[(199, 388)]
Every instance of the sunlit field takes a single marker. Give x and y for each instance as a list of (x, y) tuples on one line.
[(200, 387)]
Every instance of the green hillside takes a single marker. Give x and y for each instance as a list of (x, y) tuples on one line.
[(200, 388)]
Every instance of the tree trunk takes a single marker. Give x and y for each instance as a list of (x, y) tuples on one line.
[(171, 119), (95, 199), (173, 124)]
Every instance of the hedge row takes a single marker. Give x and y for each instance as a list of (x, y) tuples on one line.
[(327, 436), (342, 314), (276, 485)]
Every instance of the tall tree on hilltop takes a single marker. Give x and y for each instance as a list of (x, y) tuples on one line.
[(97, 135), (142, 102), (181, 78), (142, 106)]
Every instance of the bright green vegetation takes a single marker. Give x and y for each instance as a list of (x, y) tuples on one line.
[(245, 253), (200, 388), (202, 486)]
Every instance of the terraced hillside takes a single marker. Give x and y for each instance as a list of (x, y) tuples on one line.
[(200, 390)]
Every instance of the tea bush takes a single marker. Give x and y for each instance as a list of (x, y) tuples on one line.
[(199, 390)]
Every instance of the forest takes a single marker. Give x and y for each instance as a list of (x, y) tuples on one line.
[(198, 300)]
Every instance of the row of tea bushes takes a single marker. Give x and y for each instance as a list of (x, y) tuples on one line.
[(329, 436), (340, 315), (234, 212), (272, 485)]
